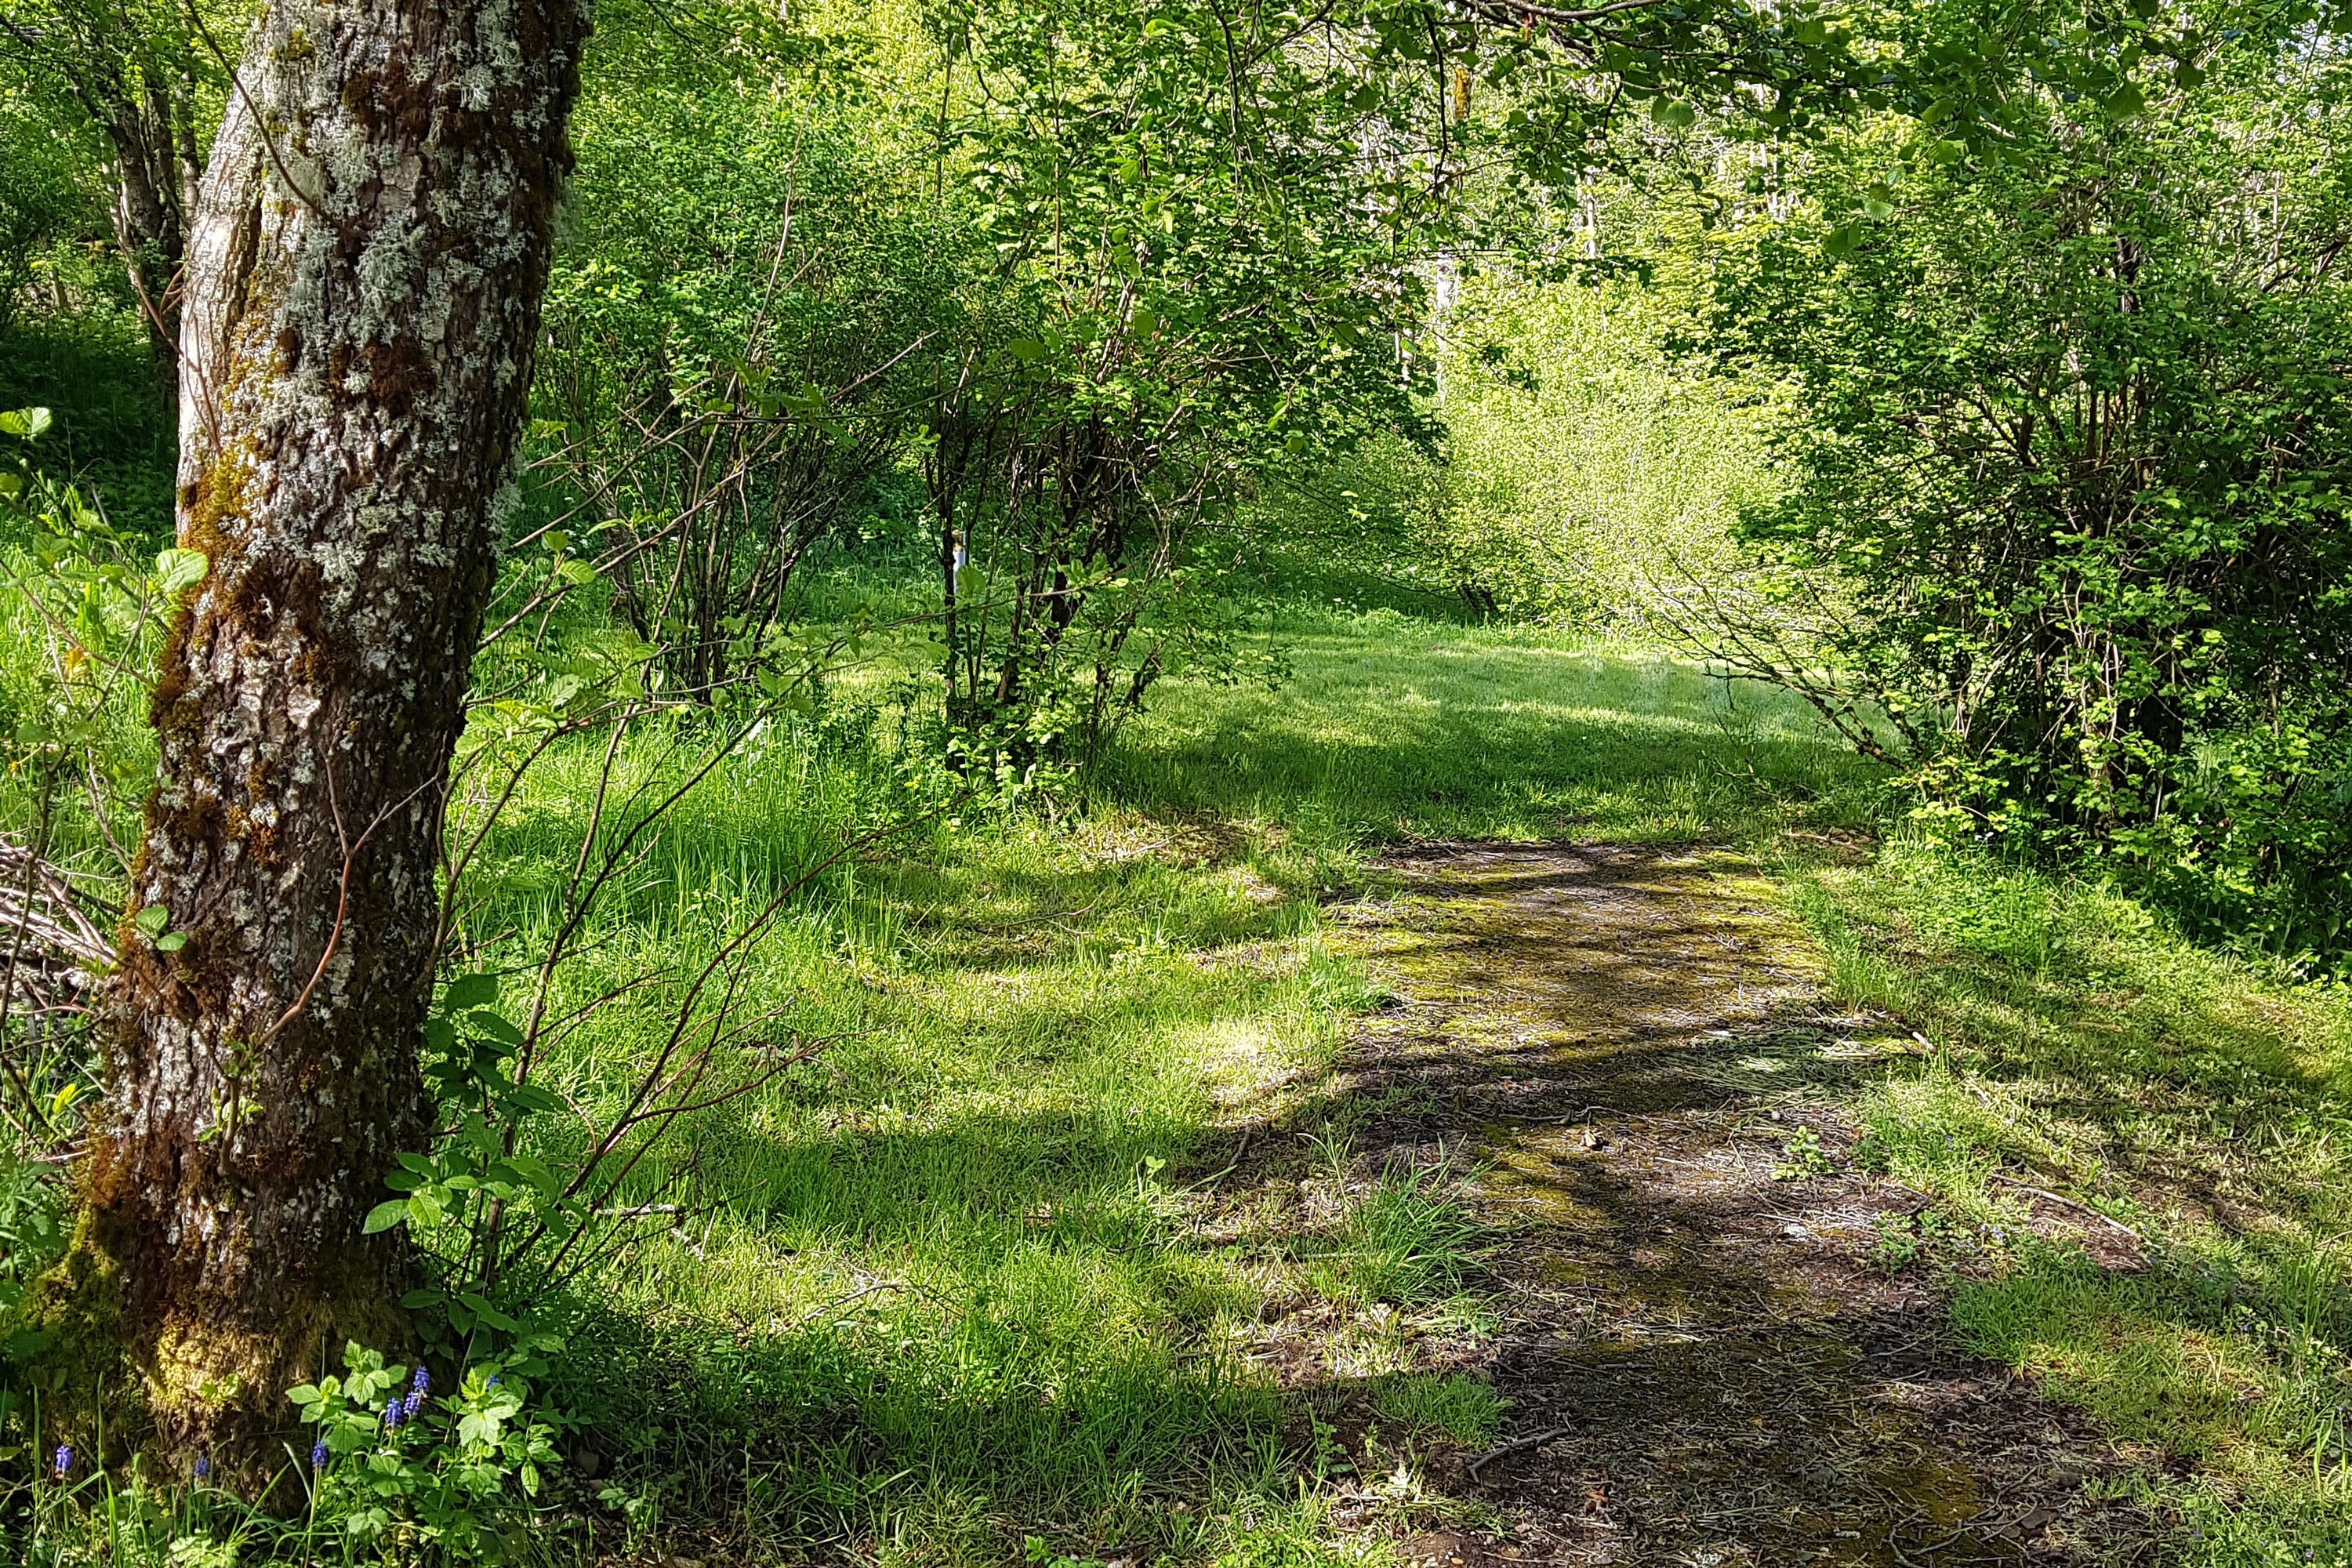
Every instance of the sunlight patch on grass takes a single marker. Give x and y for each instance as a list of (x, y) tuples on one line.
[(2079, 1048), (1393, 729)]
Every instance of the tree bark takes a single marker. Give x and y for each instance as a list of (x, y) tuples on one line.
[(149, 210), (366, 266)]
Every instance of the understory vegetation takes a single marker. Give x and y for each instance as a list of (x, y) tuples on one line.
[(1014, 526)]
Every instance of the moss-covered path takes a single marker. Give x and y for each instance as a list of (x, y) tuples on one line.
[(1713, 1352)]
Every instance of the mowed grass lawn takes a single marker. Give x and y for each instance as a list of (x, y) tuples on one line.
[(1395, 727), (945, 1291)]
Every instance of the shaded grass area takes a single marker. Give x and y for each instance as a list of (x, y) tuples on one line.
[(937, 1294), (2190, 1113), (117, 431), (948, 1287)]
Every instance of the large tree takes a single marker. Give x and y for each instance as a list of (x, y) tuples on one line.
[(365, 265)]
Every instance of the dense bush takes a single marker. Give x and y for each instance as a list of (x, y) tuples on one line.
[(733, 328), (39, 200), (2068, 452), (1205, 284)]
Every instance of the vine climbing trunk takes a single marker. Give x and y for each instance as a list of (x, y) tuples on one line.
[(366, 266)]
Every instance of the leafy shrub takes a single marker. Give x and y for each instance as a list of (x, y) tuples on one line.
[(2067, 486), (1590, 468)]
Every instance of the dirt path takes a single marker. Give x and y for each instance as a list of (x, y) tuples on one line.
[(1720, 1363)]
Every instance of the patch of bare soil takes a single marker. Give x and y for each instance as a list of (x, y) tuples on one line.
[(1710, 1356)]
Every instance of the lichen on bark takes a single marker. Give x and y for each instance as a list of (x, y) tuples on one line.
[(364, 273)]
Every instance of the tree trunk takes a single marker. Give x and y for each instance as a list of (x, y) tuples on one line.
[(148, 210), (364, 272), (134, 73)]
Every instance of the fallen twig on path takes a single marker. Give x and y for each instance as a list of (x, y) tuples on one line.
[(1516, 1444)]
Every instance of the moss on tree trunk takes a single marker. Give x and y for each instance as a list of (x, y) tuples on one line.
[(364, 273)]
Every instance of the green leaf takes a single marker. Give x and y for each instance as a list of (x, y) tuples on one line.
[(152, 921), (172, 941), (1025, 349), (486, 1025), (1673, 113), (1841, 240), (487, 1313), (26, 422), (179, 570), (479, 989), (535, 1171), (384, 1216), (2125, 101)]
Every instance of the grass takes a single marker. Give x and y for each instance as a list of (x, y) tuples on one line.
[(955, 1285), (1394, 727), (2083, 1048), (966, 1282), (115, 430), (1457, 1409)]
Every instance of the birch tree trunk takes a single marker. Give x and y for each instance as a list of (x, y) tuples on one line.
[(364, 272)]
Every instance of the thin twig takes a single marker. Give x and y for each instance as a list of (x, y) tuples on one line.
[(1516, 1444), (2066, 1203)]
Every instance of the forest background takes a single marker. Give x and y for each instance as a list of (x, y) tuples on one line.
[(975, 450)]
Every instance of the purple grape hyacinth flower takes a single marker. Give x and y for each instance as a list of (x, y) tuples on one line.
[(62, 1461), (204, 1466), (318, 1454)]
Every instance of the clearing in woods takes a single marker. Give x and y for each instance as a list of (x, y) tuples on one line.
[(1706, 1360)]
